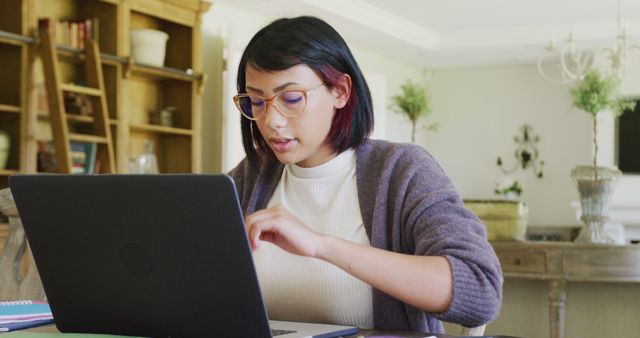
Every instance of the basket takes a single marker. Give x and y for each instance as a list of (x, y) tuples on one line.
[(504, 220)]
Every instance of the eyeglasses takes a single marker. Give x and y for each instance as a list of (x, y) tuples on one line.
[(291, 103)]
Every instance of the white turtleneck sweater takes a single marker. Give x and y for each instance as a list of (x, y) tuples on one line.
[(296, 288)]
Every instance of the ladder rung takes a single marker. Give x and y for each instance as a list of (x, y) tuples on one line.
[(87, 138), (81, 90)]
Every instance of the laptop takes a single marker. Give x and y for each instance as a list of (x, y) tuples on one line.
[(147, 255)]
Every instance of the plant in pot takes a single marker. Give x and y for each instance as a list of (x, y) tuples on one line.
[(595, 93), (414, 103), (508, 189)]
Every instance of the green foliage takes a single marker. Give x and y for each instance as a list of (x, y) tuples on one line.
[(514, 187), (413, 101), (596, 92)]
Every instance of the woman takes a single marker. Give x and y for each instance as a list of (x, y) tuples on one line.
[(344, 229)]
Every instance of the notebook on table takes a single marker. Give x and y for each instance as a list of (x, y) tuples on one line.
[(147, 255), (16, 315)]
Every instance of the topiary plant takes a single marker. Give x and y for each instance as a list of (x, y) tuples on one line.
[(414, 103), (595, 93)]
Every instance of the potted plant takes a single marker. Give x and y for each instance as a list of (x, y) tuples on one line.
[(414, 103), (508, 188), (593, 94)]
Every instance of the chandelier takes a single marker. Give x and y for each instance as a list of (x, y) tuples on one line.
[(574, 62)]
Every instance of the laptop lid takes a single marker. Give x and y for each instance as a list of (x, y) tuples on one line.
[(145, 255)]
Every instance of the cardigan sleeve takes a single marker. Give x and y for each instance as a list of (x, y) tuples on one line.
[(239, 173), (256, 182), (437, 224)]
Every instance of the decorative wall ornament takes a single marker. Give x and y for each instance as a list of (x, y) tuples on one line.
[(526, 153)]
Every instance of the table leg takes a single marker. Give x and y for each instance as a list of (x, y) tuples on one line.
[(557, 297)]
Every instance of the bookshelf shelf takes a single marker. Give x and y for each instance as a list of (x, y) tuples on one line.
[(8, 108), (161, 129), (162, 73)]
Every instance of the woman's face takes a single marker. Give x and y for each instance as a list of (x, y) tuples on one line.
[(303, 139)]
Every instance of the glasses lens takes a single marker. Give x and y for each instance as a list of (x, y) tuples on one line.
[(251, 106), (291, 103)]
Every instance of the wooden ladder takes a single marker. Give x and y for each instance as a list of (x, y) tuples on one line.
[(100, 134)]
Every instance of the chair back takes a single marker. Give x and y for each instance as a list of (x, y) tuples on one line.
[(473, 331)]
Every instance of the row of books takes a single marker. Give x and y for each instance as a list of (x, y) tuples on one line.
[(73, 32), (15, 315), (83, 157)]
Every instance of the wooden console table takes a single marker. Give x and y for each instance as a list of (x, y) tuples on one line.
[(560, 262)]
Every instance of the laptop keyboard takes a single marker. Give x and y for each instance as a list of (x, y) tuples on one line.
[(277, 332)]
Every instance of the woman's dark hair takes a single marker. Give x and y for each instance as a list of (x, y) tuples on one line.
[(307, 40)]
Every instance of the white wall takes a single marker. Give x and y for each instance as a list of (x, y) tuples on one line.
[(481, 110), (226, 30)]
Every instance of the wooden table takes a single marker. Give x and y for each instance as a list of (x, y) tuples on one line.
[(561, 262), (361, 334)]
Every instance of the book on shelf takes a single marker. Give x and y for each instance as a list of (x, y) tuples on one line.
[(46, 157), (83, 157), (15, 315), (72, 32)]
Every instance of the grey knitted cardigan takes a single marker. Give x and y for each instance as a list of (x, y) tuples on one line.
[(408, 205)]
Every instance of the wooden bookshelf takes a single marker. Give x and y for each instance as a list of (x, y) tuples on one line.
[(134, 90), (14, 59)]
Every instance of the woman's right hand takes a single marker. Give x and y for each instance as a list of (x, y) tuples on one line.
[(280, 227)]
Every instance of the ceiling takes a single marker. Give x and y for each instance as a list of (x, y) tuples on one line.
[(461, 33)]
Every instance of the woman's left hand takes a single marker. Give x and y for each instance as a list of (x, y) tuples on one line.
[(278, 226)]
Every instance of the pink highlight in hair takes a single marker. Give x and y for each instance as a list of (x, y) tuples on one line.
[(342, 125)]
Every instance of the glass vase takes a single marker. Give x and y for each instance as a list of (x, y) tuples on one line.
[(595, 188)]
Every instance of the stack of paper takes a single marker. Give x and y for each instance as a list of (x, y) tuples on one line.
[(15, 315)]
